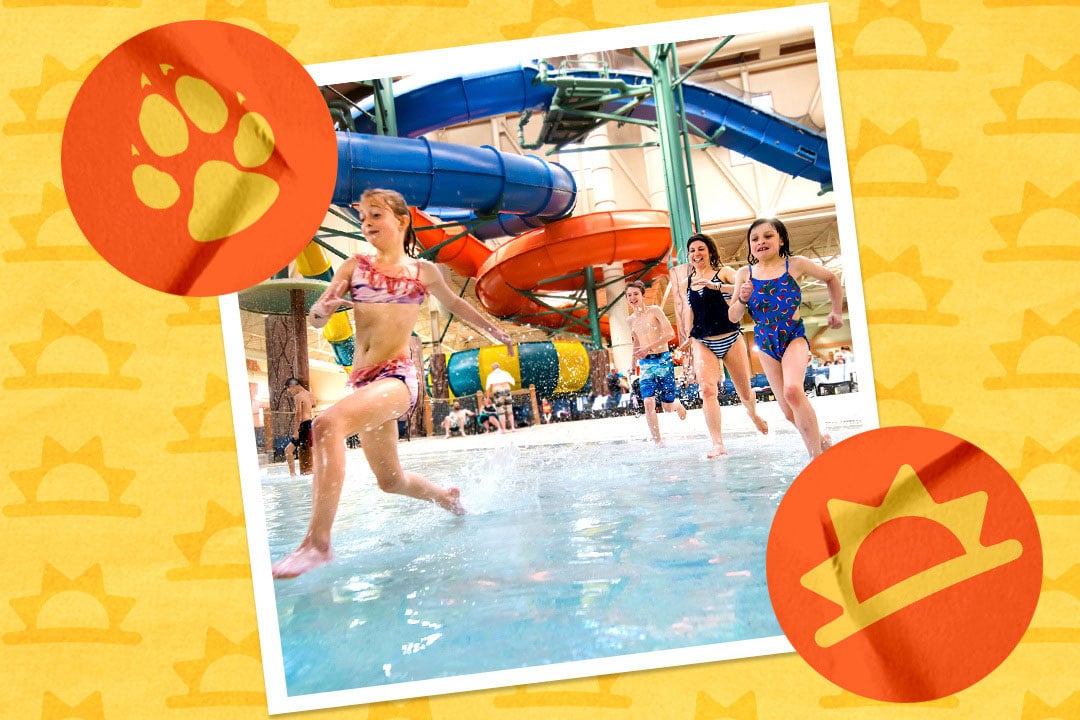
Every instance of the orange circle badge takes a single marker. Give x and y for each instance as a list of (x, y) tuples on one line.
[(904, 564), (199, 158)]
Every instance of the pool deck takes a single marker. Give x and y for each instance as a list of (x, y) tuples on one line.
[(848, 410)]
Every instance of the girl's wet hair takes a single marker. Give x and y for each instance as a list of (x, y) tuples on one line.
[(710, 247), (781, 230), (395, 202)]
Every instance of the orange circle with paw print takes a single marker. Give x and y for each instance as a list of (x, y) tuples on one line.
[(904, 564), (199, 158)]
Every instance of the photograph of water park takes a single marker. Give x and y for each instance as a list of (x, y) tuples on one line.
[(581, 204)]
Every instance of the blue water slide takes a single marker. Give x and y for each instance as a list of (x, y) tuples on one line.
[(424, 105), (734, 123), (430, 173), (505, 225)]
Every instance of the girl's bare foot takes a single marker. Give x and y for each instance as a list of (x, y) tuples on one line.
[(760, 424), (452, 501), (299, 561), (680, 410), (826, 441), (717, 451)]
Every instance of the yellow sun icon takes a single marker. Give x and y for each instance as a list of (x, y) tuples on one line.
[(193, 418), (913, 42), (193, 545), (906, 497), (744, 708), (1056, 487), (54, 456), (53, 328), (1055, 367), (92, 707), (905, 269), (909, 391), (29, 227), (193, 673), (29, 99), (577, 14), (200, 311), (255, 14), (897, 164), (53, 584), (1044, 101), (1062, 245)]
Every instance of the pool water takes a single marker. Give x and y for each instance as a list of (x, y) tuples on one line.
[(570, 552)]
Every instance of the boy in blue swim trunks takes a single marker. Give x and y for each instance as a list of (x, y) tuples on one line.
[(650, 331)]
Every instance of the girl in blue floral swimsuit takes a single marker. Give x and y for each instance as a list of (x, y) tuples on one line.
[(767, 287)]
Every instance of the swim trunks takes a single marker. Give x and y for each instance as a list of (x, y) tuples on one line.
[(502, 398), (303, 435), (369, 284), (487, 411), (773, 305), (401, 368), (657, 376)]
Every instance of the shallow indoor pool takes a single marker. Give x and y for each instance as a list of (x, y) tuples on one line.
[(571, 551)]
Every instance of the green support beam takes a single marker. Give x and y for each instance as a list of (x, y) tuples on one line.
[(385, 111), (670, 127), (594, 316)]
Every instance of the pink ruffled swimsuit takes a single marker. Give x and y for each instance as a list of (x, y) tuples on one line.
[(369, 284)]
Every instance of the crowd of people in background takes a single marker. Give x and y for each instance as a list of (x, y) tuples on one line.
[(386, 290)]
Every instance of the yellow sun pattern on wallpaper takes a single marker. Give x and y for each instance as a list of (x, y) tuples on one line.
[(36, 241), (254, 15), (126, 591), (55, 456), (41, 117), (917, 297), (1052, 232), (92, 707), (73, 367), (1044, 101), (892, 36), (199, 311)]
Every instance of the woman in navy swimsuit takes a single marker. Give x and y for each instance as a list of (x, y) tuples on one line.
[(716, 340), (385, 291), (767, 287)]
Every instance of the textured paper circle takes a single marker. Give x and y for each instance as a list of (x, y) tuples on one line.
[(904, 564), (199, 158)]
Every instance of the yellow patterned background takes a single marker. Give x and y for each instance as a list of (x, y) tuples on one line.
[(125, 590)]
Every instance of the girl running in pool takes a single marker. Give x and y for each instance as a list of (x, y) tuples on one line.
[(767, 287), (385, 291), (716, 340)]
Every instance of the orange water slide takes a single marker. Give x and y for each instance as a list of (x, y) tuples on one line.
[(561, 248), (464, 255)]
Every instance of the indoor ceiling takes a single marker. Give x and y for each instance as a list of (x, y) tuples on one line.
[(813, 232)]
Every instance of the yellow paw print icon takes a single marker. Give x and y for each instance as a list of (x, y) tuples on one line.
[(227, 196)]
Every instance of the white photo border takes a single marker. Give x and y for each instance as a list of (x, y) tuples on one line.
[(467, 58)]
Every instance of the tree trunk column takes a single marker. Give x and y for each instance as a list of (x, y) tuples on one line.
[(286, 357), (415, 419), (599, 362)]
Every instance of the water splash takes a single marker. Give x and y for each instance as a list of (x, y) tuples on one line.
[(491, 481)]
